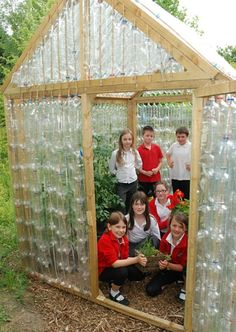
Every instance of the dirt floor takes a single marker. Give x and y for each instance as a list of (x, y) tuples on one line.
[(45, 309)]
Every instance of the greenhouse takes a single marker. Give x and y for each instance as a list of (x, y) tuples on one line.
[(93, 68)]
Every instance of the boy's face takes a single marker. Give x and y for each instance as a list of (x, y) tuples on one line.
[(148, 137), (181, 138)]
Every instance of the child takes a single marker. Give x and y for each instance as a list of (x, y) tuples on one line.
[(173, 243), (140, 224), (114, 265), (151, 156), (178, 158), (123, 163), (158, 206)]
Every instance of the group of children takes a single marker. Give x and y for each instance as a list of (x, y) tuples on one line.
[(138, 178)]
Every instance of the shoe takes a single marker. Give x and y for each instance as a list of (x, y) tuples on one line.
[(124, 301), (181, 296)]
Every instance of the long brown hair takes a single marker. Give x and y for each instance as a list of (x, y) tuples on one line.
[(180, 218), (120, 152), (141, 197)]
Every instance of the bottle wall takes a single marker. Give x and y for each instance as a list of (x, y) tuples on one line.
[(215, 290), (48, 182), (165, 118)]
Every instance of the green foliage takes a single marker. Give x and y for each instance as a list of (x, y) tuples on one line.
[(3, 315), (148, 250), (106, 199), (229, 53)]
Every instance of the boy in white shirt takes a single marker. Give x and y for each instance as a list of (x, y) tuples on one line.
[(179, 158)]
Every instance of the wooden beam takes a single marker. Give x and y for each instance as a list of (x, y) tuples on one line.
[(119, 84), (89, 188), (216, 89), (193, 217)]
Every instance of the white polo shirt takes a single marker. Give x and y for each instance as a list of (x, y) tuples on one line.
[(126, 172), (180, 154)]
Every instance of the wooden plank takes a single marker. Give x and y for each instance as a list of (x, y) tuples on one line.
[(118, 84), (37, 38), (193, 217), (216, 89), (132, 119), (168, 35), (89, 188)]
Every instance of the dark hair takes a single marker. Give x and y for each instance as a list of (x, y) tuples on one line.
[(182, 130), (161, 182), (180, 217), (142, 197), (147, 128)]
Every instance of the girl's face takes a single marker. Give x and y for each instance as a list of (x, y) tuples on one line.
[(161, 193), (118, 230), (126, 141), (181, 138), (177, 229), (139, 207)]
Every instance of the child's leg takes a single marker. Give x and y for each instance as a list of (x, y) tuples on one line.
[(154, 287), (132, 188), (134, 274), (115, 276)]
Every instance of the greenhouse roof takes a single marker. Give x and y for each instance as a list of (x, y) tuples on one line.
[(97, 40)]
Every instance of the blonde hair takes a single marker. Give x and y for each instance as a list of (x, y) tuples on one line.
[(120, 152)]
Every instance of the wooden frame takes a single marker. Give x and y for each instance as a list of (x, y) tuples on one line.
[(199, 75)]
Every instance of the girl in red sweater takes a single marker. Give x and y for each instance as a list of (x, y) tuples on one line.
[(173, 243), (114, 264)]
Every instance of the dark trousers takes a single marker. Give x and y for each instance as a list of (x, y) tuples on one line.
[(147, 188), (162, 278), (120, 274), (183, 185), (125, 191)]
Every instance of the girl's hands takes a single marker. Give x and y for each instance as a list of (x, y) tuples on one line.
[(142, 260), (163, 264)]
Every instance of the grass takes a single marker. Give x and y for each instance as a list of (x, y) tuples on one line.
[(3, 315), (12, 279)]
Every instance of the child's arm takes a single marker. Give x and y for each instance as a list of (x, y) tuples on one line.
[(157, 169), (165, 265), (112, 163), (169, 160), (140, 259)]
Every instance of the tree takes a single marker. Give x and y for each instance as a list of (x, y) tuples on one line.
[(229, 53)]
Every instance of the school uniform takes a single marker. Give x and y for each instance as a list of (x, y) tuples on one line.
[(178, 254), (155, 208), (126, 174), (111, 249), (151, 158), (180, 176)]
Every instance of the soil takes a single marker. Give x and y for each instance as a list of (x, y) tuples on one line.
[(48, 309)]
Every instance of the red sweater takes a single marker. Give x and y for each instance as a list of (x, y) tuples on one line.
[(110, 250), (153, 211), (179, 254), (151, 158)]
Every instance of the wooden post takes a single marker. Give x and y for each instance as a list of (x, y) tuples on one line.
[(132, 119), (193, 217), (90, 192)]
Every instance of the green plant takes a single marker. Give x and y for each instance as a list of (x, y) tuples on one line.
[(105, 196), (148, 250), (3, 315)]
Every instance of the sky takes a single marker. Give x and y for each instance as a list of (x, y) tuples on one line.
[(216, 18)]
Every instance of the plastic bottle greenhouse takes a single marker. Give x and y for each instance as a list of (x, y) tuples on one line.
[(93, 68)]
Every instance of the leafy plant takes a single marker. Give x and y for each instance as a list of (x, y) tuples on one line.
[(148, 250), (105, 196), (3, 315)]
